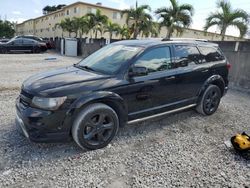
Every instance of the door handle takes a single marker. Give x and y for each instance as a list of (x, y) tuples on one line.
[(142, 96), (170, 78), (204, 71)]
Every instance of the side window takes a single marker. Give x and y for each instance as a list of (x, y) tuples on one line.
[(18, 41), (211, 54), (186, 55), (28, 42), (157, 59)]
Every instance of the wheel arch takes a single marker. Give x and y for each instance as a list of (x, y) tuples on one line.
[(111, 99), (215, 80)]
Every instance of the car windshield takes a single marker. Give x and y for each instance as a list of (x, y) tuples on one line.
[(109, 59), (11, 40)]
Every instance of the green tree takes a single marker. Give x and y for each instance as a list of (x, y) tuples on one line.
[(176, 17), (136, 16), (149, 27), (97, 21), (227, 17), (67, 25), (125, 32), (112, 28), (6, 29), (48, 9)]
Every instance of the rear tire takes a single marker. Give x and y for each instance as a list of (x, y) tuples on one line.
[(95, 126), (210, 100), (36, 50)]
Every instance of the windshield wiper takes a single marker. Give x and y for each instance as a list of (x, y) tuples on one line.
[(85, 67)]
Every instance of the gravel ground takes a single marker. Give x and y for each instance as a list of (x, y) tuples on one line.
[(180, 150)]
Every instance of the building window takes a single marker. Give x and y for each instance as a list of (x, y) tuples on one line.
[(67, 12), (41, 30), (75, 10), (91, 10), (116, 15)]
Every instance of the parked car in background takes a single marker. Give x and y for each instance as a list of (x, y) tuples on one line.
[(48, 42), (23, 45), (4, 40), (126, 81)]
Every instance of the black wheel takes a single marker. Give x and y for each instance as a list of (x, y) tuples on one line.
[(36, 50), (209, 101), (4, 51), (95, 126)]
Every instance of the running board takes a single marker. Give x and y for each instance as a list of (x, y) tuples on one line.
[(161, 114)]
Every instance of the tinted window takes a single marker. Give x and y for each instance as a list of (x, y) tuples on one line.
[(110, 58), (186, 55), (25, 41), (211, 54), (18, 41), (157, 59)]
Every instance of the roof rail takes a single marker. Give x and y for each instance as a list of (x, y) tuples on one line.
[(185, 39)]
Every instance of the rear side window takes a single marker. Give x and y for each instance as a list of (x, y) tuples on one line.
[(157, 59), (211, 54), (25, 41), (186, 55)]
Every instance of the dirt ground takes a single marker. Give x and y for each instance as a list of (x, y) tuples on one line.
[(180, 150)]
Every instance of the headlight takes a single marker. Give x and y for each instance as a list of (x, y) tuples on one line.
[(48, 103)]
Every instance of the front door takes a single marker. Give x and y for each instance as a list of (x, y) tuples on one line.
[(16, 45), (154, 92)]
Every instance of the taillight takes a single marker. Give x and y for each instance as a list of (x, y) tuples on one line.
[(228, 66)]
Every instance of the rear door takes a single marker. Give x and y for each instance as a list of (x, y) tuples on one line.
[(192, 72), (28, 44)]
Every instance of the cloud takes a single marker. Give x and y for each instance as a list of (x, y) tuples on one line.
[(121, 4), (37, 11), (18, 20), (16, 12)]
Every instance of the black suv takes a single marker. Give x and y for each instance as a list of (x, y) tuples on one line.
[(124, 82)]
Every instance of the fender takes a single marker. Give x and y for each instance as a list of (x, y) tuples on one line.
[(216, 80), (112, 99)]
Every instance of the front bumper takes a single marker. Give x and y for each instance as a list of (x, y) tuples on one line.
[(40, 125)]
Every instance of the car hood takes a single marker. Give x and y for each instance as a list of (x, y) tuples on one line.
[(62, 80)]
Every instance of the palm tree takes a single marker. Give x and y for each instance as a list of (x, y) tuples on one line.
[(149, 27), (112, 28), (97, 21), (135, 17), (125, 32), (80, 25), (176, 17), (227, 17), (67, 25)]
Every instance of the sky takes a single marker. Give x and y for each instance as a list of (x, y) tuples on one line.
[(20, 10)]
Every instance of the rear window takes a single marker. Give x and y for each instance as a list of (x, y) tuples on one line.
[(211, 53)]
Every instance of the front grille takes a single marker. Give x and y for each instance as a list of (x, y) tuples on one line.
[(26, 94), (25, 99)]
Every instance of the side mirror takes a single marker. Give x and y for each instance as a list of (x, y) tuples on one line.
[(137, 71)]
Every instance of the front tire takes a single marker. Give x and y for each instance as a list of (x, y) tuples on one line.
[(95, 126), (210, 100), (4, 51)]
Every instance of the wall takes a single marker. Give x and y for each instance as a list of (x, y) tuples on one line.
[(198, 34), (239, 59)]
